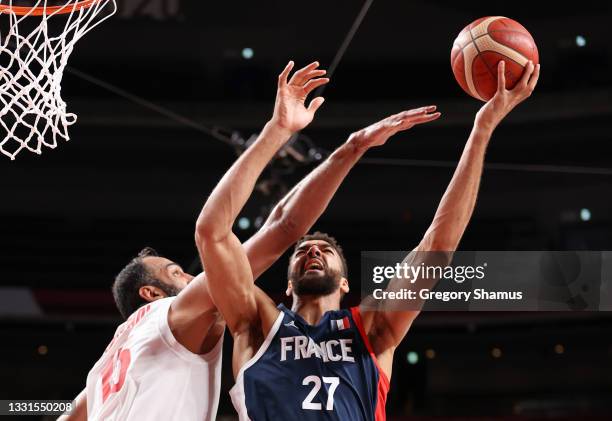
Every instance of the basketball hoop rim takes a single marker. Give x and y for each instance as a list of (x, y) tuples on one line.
[(48, 10)]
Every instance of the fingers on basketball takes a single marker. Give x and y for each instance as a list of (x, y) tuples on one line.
[(501, 76), (533, 81), (528, 80)]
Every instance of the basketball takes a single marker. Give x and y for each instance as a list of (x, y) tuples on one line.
[(481, 45)]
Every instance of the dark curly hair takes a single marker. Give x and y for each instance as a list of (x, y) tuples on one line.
[(129, 281)]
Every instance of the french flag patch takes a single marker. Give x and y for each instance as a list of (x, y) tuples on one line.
[(340, 324)]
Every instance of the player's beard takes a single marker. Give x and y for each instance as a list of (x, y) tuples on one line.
[(170, 290), (316, 284)]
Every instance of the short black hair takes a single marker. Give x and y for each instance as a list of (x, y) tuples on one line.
[(129, 281), (329, 240)]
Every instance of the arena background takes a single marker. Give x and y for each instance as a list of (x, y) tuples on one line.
[(71, 218)]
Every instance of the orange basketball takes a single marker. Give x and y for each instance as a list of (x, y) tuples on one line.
[(481, 45)]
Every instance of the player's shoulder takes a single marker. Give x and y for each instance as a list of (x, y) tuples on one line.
[(266, 309), (263, 298), (134, 323), (147, 313)]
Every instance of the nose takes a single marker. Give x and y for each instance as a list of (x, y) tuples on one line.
[(314, 251), (189, 277)]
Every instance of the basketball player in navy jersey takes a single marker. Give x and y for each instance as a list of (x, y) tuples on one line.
[(317, 361), (189, 325)]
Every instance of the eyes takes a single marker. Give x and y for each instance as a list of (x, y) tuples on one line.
[(326, 250)]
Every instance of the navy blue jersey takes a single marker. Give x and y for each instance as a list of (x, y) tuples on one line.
[(322, 372)]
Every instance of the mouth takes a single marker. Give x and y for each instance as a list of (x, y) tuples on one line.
[(313, 265)]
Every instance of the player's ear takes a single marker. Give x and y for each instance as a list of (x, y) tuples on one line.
[(344, 285), (289, 290), (151, 293)]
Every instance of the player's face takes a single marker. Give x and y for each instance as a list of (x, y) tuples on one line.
[(316, 269), (168, 272)]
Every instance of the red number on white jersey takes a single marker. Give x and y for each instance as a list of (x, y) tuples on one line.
[(113, 374)]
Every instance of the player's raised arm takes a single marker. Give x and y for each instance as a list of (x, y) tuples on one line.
[(457, 204), (297, 212), (387, 328), (230, 279)]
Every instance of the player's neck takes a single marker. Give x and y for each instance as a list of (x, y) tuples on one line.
[(312, 308)]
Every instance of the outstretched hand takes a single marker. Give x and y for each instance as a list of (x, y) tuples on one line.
[(290, 111), (378, 133), (494, 111)]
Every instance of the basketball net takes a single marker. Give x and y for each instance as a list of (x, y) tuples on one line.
[(32, 63)]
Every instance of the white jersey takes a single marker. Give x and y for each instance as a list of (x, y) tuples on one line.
[(145, 374)]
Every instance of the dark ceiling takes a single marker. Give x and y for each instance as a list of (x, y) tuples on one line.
[(131, 177)]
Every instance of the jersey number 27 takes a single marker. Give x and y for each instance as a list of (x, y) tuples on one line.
[(333, 384)]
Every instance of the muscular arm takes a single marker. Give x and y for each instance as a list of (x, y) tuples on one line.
[(193, 313), (297, 212), (228, 271), (387, 327), (79, 411), (290, 219)]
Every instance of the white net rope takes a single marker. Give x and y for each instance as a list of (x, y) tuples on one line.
[(34, 52)]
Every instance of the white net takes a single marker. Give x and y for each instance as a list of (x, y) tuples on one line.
[(35, 43)]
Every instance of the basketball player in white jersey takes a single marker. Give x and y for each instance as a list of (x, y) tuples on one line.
[(301, 366), (164, 362)]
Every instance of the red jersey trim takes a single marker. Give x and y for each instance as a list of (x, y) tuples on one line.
[(383, 380)]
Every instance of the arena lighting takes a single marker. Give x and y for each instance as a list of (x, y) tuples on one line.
[(580, 41), (559, 349), (585, 214), (42, 350), (247, 53), (244, 223), (412, 357), (430, 354), (496, 352)]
